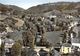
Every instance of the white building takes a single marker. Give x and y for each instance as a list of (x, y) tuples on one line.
[(9, 29), (76, 44), (8, 43), (0, 41), (68, 16), (76, 40), (65, 49)]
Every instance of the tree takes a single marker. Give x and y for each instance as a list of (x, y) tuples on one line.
[(63, 37), (23, 16), (2, 51), (16, 49), (31, 38), (3, 9), (28, 38)]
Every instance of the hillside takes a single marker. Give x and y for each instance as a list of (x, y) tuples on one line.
[(8, 14), (10, 8), (60, 6)]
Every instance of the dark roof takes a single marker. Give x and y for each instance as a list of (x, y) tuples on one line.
[(76, 40), (53, 37), (58, 45), (68, 20), (67, 45), (3, 17), (15, 35), (8, 41)]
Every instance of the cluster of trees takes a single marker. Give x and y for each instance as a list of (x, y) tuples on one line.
[(28, 39), (2, 27), (2, 49), (16, 49), (5, 9)]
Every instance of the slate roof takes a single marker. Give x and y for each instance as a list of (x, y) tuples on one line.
[(53, 37), (15, 35), (2, 17), (68, 20), (67, 45), (76, 40), (8, 41)]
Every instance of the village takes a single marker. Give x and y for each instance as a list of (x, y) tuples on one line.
[(53, 34)]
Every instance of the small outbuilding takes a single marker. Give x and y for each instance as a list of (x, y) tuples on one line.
[(66, 48)]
